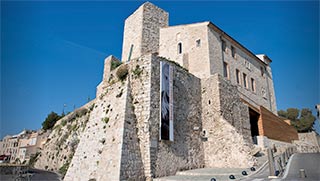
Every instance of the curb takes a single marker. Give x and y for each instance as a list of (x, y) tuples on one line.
[(257, 171), (288, 166)]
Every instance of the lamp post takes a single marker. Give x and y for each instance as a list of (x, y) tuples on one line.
[(64, 105)]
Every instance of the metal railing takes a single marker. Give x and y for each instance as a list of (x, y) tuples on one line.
[(279, 161)]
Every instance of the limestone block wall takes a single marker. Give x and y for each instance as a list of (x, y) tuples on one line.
[(264, 142), (186, 151), (194, 47), (132, 35), (98, 155), (154, 18), (108, 74), (202, 55), (226, 124), (307, 143), (142, 31), (264, 91), (63, 140), (140, 109)]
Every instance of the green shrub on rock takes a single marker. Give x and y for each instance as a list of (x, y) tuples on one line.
[(122, 72)]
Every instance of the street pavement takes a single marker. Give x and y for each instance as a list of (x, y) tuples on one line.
[(32, 175), (206, 174), (310, 162)]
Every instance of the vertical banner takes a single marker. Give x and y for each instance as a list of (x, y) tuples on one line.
[(166, 101)]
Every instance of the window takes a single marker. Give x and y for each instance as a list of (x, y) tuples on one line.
[(264, 93), (247, 64), (245, 82), (224, 46), (238, 76), (225, 70), (233, 52), (198, 43), (253, 85), (179, 48), (262, 71)]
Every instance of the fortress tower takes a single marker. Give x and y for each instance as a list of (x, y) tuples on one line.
[(142, 31)]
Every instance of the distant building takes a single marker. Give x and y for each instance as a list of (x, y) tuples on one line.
[(19, 148)]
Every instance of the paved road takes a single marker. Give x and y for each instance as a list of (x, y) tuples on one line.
[(34, 175), (310, 162)]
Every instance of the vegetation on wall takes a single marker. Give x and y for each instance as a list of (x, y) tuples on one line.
[(33, 159), (122, 72), (51, 119), (137, 71), (115, 64), (63, 170), (302, 120)]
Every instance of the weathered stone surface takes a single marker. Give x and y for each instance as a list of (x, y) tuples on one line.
[(141, 31), (307, 143), (226, 123), (203, 56), (98, 155), (211, 123), (186, 151), (64, 138)]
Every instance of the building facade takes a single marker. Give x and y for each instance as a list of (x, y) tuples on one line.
[(19, 148), (190, 95)]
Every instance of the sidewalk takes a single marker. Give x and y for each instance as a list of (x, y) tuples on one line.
[(206, 174)]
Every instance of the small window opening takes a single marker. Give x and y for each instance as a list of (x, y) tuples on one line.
[(245, 83), (224, 46), (233, 52), (238, 76), (253, 85), (198, 43), (225, 70), (262, 71), (179, 48), (209, 102)]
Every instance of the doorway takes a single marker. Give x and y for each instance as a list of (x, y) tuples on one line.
[(254, 118)]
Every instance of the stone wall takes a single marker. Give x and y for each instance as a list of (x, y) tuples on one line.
[(140, 85), (98, 155), (264, 142), (308, 143), (203, 56), (245, 63), (109, 77), (63, 140), (194, 42), (186, 151), (226, 123), (142, 31)]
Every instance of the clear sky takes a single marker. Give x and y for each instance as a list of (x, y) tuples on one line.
[(52, 53)]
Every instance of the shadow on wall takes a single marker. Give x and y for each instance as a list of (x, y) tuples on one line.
[(186, 151)]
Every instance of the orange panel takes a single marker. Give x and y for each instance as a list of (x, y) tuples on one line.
[(273, 127)]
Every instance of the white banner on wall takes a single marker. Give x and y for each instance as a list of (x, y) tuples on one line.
[(166, 101)]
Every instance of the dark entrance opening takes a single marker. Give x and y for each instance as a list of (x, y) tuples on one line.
[(254, 117)]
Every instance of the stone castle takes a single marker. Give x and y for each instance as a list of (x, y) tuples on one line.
[(185, 97)]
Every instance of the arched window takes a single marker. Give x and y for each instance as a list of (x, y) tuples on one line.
[(179, 48)]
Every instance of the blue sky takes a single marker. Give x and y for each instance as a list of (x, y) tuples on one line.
[(52, 53)]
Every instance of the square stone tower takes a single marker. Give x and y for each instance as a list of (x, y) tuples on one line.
[(142, 31)]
